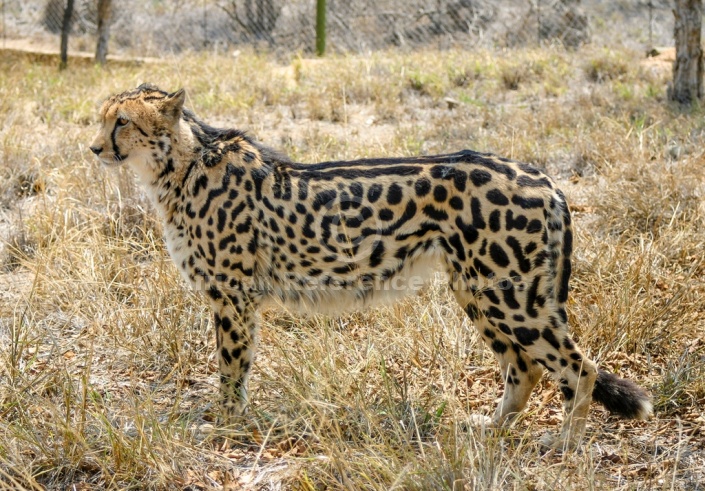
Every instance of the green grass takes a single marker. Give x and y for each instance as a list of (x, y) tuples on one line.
[(107, 372)]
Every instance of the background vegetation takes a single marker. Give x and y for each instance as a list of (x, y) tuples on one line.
[(159, 28), (107, 373)]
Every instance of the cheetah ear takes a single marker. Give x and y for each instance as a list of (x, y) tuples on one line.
[(173, 104)]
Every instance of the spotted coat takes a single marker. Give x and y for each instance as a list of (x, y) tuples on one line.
[(250, 228)]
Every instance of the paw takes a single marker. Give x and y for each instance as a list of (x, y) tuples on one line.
[(481, 422), (230, 416), (484, 426), (549, 441)]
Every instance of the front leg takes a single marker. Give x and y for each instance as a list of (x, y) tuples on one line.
[(236, 329)]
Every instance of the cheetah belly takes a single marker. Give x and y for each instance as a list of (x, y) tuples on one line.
[(360, 294)]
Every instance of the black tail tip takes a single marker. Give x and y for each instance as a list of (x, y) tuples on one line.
[(622, 397)]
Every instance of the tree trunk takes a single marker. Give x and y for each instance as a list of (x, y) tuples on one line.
[(688, 67), (104, 13), (65, 30)]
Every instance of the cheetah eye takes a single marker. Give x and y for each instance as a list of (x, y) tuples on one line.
[(122, 121)]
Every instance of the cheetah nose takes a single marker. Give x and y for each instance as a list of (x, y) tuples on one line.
[(96, 150)]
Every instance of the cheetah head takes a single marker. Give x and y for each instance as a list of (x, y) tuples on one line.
[(138, 127)]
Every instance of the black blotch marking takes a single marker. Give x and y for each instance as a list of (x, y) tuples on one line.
[(377, 254), (226, 356), (492, 297), (422, 187), (494, 313), (525, 336), (518, 223), (435, 213), (456, 243), (374, 193), (568, 393), (303, 190), (472, 311), (356, 190), (236, 352), (498, 255), (456, 203), (394, 194), (324, 198), (524, 263), (477, 219), (568, 344), (526, 181), (499, 347), (482, 268), (222, 217), (510, 300), (470, 233), (201, 183), (214, 293), (531, 298), (495, 221), (497, 197), (529, 169), (527, 203), (440, 193), (549, 336), (534, 226), (530, 247), (565, 279), (385, 214), (306, 229), (480, 177)]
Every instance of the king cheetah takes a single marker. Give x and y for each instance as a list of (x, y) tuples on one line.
[(250, 227)]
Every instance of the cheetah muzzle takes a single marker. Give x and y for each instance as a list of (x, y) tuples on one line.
[(250, 227)]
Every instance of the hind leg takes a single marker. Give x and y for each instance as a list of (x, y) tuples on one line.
[(538, 328), (520, 374), (576, 376), (527, 331)]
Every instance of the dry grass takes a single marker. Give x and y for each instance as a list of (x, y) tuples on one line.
[(107, 376)]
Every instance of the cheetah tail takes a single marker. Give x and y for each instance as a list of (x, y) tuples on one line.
[(621, 396)]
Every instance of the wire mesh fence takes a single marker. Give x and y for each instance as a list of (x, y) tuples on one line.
[(162, 27)]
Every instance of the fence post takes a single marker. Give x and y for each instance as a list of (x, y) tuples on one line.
[(320, 27), (651, 24), (205, 25), (65, 29)]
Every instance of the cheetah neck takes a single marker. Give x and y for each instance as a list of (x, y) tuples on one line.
[(190, 151), (164, 175)]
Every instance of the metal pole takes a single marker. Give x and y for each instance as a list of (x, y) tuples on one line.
[(320, 27)]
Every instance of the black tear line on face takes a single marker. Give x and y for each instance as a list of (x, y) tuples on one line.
[(116, 151)]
